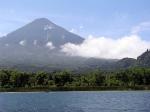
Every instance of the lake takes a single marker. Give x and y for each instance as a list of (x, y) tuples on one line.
[(100, 101)]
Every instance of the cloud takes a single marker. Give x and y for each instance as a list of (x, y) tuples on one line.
[(102, 47), (50, 45), (22, 42), (141, 27)]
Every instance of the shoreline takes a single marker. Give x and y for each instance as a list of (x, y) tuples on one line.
[(61, 89)]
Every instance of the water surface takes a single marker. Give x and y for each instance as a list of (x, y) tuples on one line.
[(108, 101)]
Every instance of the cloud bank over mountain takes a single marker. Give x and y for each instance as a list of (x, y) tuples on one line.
[(109, 48)]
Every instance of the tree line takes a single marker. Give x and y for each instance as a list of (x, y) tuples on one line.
[(128, 77)]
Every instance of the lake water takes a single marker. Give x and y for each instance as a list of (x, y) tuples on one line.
[(116, 101)]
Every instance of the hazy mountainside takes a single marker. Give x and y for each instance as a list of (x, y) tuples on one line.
[(144, 59), (39, 32), (38, 39), (36, 46), (125, 63)]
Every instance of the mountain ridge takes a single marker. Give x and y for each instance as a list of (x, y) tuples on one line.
[(42, 30), (36, 46)]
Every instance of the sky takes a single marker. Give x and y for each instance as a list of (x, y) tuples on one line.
[(122, 22), (111, 18)]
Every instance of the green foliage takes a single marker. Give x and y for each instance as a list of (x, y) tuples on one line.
[(19, 79), (4, 78), (122, 78), (61, 78), (41, 78)]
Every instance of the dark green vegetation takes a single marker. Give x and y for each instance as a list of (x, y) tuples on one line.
[(133, 78)]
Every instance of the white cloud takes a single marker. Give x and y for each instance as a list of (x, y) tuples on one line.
[(102, 47), (141, 27), (50, 45), (22, 43)]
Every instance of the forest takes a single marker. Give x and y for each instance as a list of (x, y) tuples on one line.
[(122, 78)]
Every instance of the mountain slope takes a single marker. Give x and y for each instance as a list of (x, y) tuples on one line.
[(125, 63), (144, 59), (40, 32), (36, 46)]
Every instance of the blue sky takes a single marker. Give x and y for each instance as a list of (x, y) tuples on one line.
[(110, 18)]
